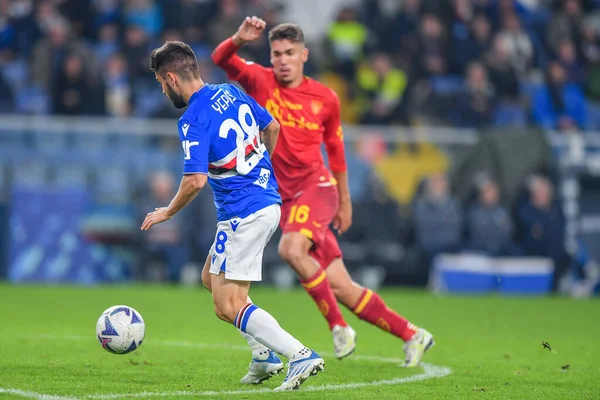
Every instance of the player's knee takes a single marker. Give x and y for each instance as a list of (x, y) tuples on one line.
[(292, 251)]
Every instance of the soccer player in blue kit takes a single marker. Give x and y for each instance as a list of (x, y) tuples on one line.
[(227, 138)]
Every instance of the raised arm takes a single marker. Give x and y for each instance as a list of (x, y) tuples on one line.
[(245, 72)]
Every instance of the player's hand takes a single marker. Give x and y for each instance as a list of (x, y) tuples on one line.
[(343, 218), (159, 215), (249, 30)]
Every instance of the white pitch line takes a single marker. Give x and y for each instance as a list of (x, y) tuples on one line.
[(34, 395), (430, 372)]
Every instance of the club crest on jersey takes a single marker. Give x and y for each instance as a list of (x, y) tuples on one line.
[(263, 178), (316, 106)]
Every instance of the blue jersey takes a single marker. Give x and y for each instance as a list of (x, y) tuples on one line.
[(220, 135)]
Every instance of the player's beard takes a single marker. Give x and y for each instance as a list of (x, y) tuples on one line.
[(176, 99), (284, 81)]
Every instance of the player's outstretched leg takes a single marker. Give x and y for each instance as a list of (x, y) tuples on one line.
[(294, 248), (230, 305), (370, 307), (265, 363)]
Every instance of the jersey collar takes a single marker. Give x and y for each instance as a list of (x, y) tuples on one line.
[(197, 94)]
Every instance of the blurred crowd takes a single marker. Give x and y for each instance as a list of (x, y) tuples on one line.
[(469, 63), (473, 63), (437, 222)]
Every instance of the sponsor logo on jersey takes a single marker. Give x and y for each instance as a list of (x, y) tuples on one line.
[(263, 178)]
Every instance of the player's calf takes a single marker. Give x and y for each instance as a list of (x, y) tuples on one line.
[(294, 248), (370, 307), (345, 289), (227, 309)]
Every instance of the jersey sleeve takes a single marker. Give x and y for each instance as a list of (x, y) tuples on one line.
[(196, 146), (247, 73), (264, 118), (334, 137)]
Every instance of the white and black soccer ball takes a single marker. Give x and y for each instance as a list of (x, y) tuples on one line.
[(120, 329)]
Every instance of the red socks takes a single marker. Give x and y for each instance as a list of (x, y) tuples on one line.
[(319, 289), (371, 308)]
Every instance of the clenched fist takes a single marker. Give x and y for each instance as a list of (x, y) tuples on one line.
[(249, 30)]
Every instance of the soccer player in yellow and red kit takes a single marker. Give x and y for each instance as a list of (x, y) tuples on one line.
[(313, 197)]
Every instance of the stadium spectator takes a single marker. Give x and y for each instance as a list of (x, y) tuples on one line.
[(395, 29), (519, 45), (589, 46), (559, 104), (72, 93), (105, 12), (431, 58), (438, 219), (20, 13), (136, 47), (541, 224), (118, 88), (501, 72), (381, 89), (590, 51), (226, 21), (146, 14), (475, 106), (566, 24), (567, 57), (346, 40), (472, 46), (164, 245), (462, 16), (51, 51), (489, 227), (108, 42)]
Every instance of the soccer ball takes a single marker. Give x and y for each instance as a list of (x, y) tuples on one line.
[(120, 329)]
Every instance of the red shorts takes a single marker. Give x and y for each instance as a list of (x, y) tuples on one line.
[(310, 214)]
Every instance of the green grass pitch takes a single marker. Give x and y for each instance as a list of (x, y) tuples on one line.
[(490, 346)]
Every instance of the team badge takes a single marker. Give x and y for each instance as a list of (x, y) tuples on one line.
[(316, 106)]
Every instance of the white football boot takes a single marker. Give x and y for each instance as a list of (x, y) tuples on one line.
[(344, 341), (416, 347), (262, 370), (303, 365)]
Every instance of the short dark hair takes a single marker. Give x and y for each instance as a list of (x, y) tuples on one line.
[(177, 57), (291, 32)]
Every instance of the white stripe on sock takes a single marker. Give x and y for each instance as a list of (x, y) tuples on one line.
[(266, 330), (259, 351)]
